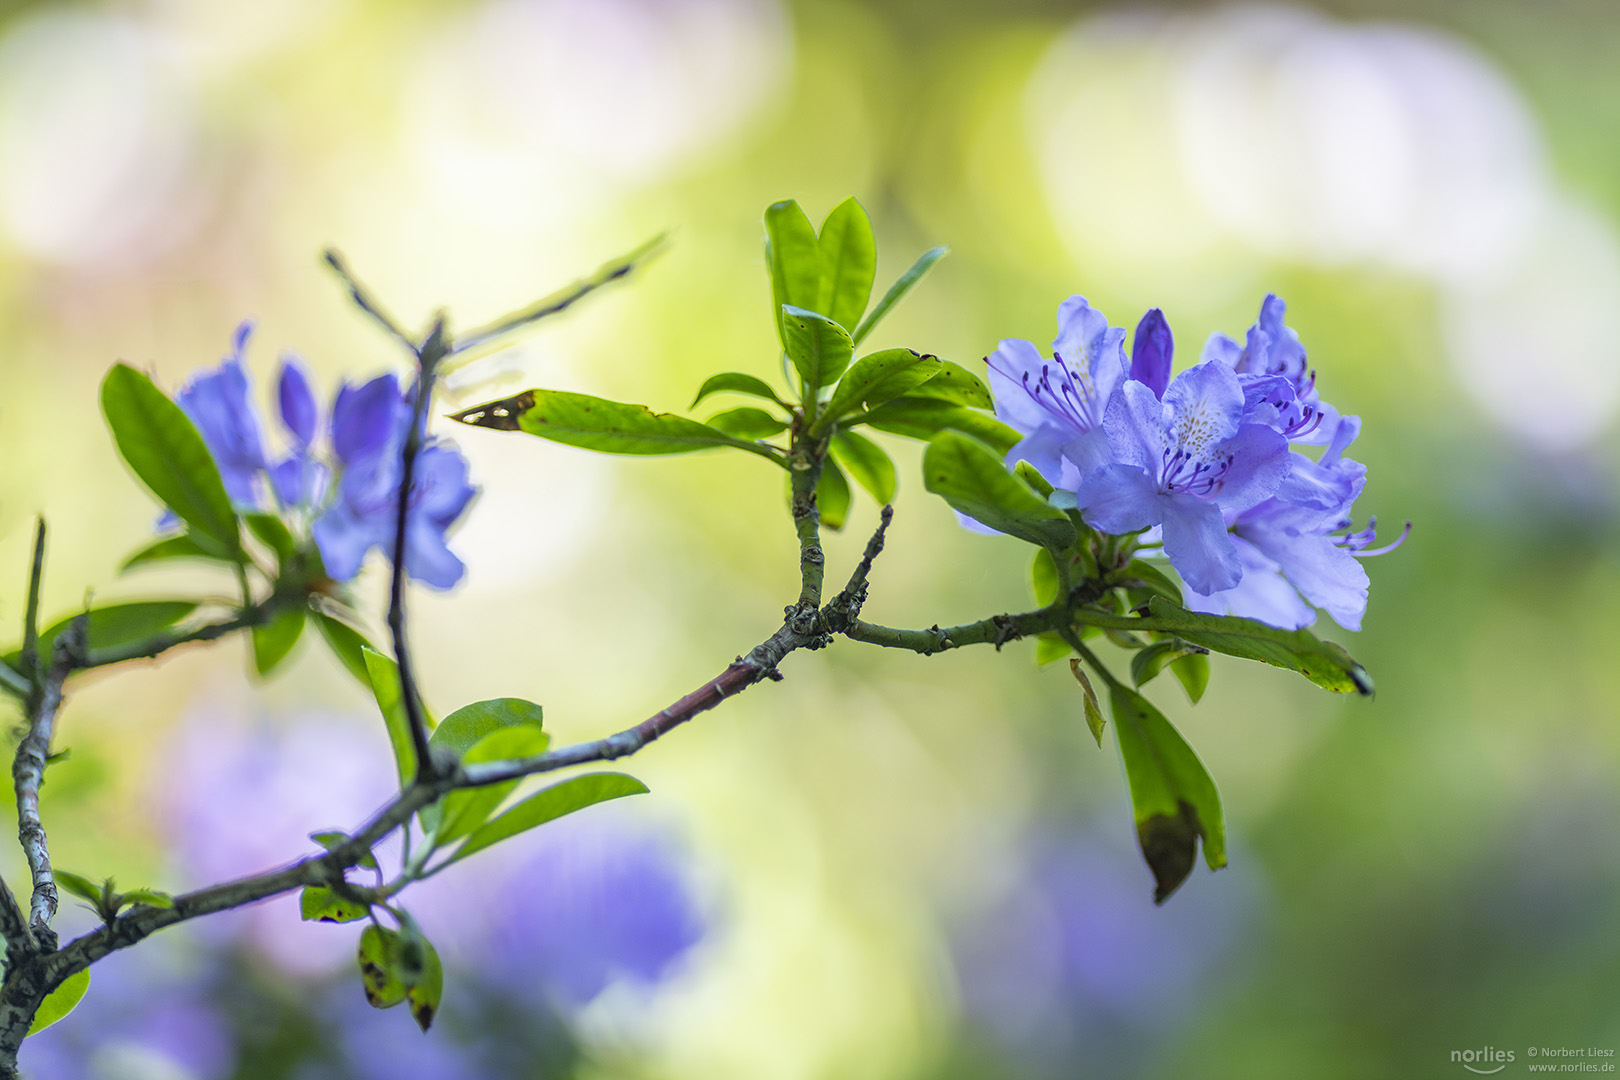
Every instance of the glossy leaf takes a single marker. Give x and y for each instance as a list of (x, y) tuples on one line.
[(1325, 663), (748, 423), (1050, 648), (380, 968), (166, 452), (149, 898), (1192, 671), (1094, 717), (735, 382), (902, 285), (272, 532), (550, 804), (794, 255), (1030, 475), (1149, 662), (1152, 580), (471, 724), (114, 626), (320, 904), (833, 497), (819, 348), (1043, 577), (956, 384), (868, 463), (848, 263), (425, 992), (1172, 795), (181, 546), (348, 645), (923, 418), (383, 675), (876, 378), (78, 885), (593, 423), (273, 640), (966, 474), (61, 1001), (460, 812)]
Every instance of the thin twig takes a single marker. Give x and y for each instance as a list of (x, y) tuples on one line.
[(431, 352), (30, 648), (365, 302), (28, 775), (996, 630), (562, 299)]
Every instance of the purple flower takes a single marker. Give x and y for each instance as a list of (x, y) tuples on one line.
[(1279, 388), (1058, 404), (1296, 550), (1151, 352), (219, 403), (367, 430), (1183, 463), (369, 424)]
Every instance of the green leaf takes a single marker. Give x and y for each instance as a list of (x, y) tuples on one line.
[(383, 674), (165, 451), (182, 546), (348, 645), (1151, 579), (1325, 663), (868, 463), (1050, 647), (272, 532), (593, 423), (425, 991), (957, 384), (1149, 662), (748, 423), (550, 804), (379, 967), (1193, 672), (1094, 716), (273, 640), (876, 378), (460, 812), (794, 256), (903, 285), (79, 886), (1174, 800), (114, 625), (61, 1001), (149, 897), (1043, 577), (973, 480), (1030, 475), (320, 904), (923, 418), (333, 840), (819, 348), (832, 496), (736, 382), (471, 724), (848, 261), (492, 730)]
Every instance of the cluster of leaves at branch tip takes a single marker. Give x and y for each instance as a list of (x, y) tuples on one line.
[(1012, 462)]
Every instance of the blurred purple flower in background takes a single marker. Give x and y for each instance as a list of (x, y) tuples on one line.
[(367, 432), (220, 403), (1069, 974)]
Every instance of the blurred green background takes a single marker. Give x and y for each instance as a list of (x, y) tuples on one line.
[(907, 867)]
